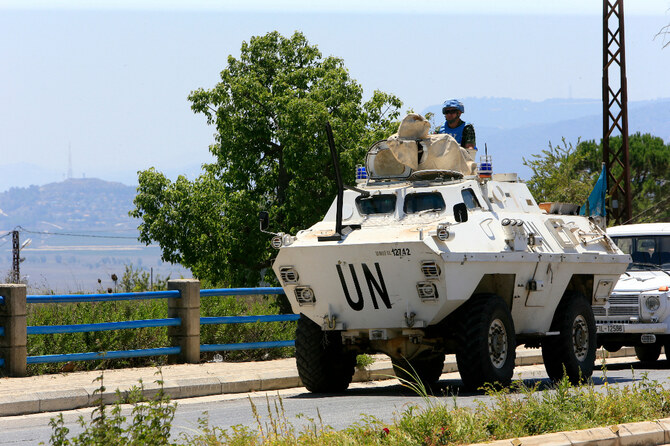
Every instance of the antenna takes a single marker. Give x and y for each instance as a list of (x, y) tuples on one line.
[(69, 161)]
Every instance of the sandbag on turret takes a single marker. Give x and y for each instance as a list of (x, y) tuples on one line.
[(439, 151)]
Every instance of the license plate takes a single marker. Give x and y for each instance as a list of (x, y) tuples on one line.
[(609, 328)]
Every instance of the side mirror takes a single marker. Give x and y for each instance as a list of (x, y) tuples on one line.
[(264, 219), (460, 213)]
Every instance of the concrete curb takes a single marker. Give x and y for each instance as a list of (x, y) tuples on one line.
[(643, 433)]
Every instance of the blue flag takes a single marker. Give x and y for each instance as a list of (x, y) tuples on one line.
[(596, 201)]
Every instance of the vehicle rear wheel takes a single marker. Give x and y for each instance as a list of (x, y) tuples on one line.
[(323, 365), (648, 352), (487, 349), (574, 348), (426, 367)]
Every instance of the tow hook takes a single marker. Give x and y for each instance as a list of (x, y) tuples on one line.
[(409, 319), (330, 321)]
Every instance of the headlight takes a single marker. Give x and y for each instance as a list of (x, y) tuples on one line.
[(304, 295), (443, 232), (653, 303), (288, 274), (276, 242)]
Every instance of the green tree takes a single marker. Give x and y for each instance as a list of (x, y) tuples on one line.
[(649, 173), (568, 174), (561, 174), (269, 110)]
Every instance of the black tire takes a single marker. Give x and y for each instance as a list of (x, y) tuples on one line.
[(427, 368), (486, 350), (574, 349), (648, 352), (323, 365)]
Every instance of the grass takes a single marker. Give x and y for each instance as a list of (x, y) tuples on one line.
[(518, 411)]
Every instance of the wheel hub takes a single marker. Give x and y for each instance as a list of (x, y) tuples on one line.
[(580, 337), (497, 343)]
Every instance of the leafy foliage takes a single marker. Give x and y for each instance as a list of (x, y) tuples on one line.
[(137, 280), (566, 173), (150, 424), (649, 173), (269, 111), (560, 174)]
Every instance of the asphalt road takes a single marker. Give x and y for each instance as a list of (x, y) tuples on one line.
[(383, 400)]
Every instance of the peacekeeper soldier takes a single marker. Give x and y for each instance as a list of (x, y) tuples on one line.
[(463, 132)]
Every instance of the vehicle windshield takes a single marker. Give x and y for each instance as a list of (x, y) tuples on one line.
[(376, 204), (423, 202), (647, 251)]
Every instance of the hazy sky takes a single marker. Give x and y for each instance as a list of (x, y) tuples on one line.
[(109, 83)]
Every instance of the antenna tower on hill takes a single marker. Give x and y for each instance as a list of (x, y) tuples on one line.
[(69, 161)]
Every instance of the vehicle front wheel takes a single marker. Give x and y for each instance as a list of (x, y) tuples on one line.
[(648, 352), (487, 347), (574, 348), (323, 364)]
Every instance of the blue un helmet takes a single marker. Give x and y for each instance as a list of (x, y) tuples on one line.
[(451, 104)]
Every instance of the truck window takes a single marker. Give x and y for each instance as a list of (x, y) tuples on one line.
[(376, 204), (654, 250), (424, 201), (662, 255), (470, 199), (624, 244)]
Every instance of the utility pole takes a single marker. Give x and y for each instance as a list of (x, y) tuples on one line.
[(615, 113), (16, 257)]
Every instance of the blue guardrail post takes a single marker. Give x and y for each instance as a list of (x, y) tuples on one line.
[(13, 318), (186, 307)]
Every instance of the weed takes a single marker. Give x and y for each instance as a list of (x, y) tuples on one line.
[(364, 361), (150, 424)]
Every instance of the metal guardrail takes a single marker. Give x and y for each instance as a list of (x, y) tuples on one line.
[(166, 322), (69, 298)]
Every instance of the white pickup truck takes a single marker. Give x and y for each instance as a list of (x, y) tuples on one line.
[(637, 312)]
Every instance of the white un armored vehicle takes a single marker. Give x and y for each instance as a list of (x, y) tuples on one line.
[(637, 312), (429, 256)]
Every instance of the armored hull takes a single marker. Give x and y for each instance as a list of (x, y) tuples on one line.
[(416, 259)]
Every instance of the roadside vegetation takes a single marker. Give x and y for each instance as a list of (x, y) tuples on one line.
[(132, 281), (524, 409)]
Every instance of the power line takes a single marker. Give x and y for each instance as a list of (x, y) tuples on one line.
[(655, 206), (69, 234)]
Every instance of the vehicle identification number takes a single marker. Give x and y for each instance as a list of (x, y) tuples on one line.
[(609, 328), (396, 252)]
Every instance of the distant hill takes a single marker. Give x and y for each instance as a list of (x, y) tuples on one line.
[(78, 232), (75, 205)]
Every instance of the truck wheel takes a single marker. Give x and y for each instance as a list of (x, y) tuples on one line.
[(648, 352), (487, 347), (428, 368), (323, 365), (575, 347)]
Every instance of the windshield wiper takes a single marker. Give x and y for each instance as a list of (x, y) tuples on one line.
[(648, 265)]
